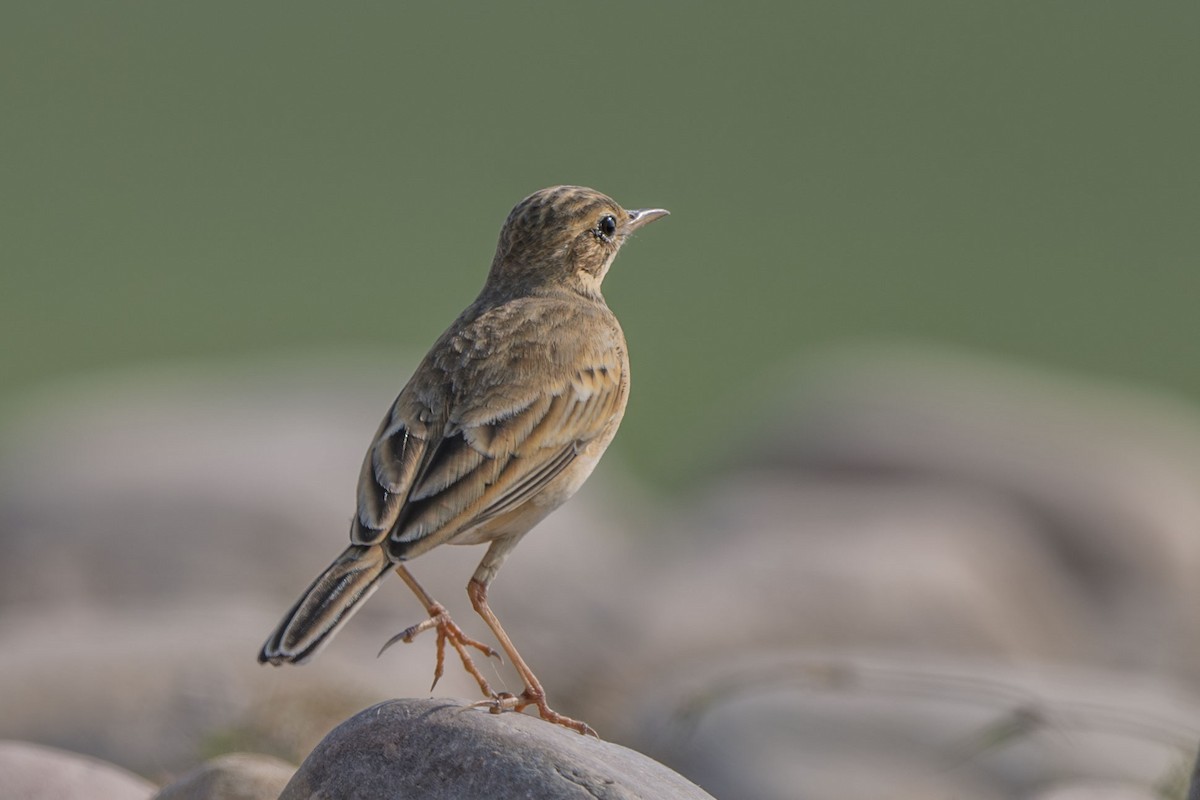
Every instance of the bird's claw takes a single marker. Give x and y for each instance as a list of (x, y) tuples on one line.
[(447, 631), (500, 702)]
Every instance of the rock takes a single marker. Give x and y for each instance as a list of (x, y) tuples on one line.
[(186, 675), (216, 475), (776, 725), (33, 772), (235, 776), (827, 563), (445, 750), (1104, 476), (1091, 790), (900, 508)]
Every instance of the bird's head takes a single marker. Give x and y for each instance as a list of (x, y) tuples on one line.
[(563, 236)]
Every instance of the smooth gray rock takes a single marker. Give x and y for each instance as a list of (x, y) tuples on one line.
[(1089, 790), (1101, 476), (435, 749), (234, 776), (850, 726), (33, 772)]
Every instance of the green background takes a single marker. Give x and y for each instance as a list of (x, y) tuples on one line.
[(1017, 178)]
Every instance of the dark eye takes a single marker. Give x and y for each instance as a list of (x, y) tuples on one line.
[(607, 226)]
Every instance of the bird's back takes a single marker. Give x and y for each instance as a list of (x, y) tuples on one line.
[(500, 423)]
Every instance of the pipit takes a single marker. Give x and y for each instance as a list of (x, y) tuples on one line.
[(502, 422)]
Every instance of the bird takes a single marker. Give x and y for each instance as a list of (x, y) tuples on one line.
[(500, 423)]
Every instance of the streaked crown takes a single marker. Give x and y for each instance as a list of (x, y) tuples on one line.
[(563, 234)]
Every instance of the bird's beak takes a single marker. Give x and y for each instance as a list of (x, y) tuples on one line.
[(642, 216)]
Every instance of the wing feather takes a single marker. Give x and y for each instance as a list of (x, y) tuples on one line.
[(396, 455), (524, 484), (512, 457), (455, 460), (501, 407)]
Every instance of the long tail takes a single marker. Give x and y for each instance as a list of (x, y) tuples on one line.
[(326, 605)]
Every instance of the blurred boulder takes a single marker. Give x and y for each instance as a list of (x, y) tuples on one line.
[(154, 526), (773, 725), (33, 772), (1102, 478), (235, 776), (912, 507), (772, 560), (1090, 790), (181, 680), (187, 480), (442, 750)]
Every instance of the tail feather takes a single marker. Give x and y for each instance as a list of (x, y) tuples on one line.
[(326, 605)]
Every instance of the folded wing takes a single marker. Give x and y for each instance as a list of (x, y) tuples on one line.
[(421, 490)]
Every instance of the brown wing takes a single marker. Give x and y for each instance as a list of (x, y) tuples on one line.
[(488, 465), (397, 454), (497, 411)]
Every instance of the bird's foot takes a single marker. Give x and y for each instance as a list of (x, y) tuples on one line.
[(447, 631), (506, 701)]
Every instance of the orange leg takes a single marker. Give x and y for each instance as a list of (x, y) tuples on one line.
[(534, 694), (447, 631)]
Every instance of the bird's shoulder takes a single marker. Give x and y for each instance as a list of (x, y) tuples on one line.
[(540, 340), (546, 327)]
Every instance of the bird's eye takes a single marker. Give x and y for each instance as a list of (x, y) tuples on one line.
[(607, 226)]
